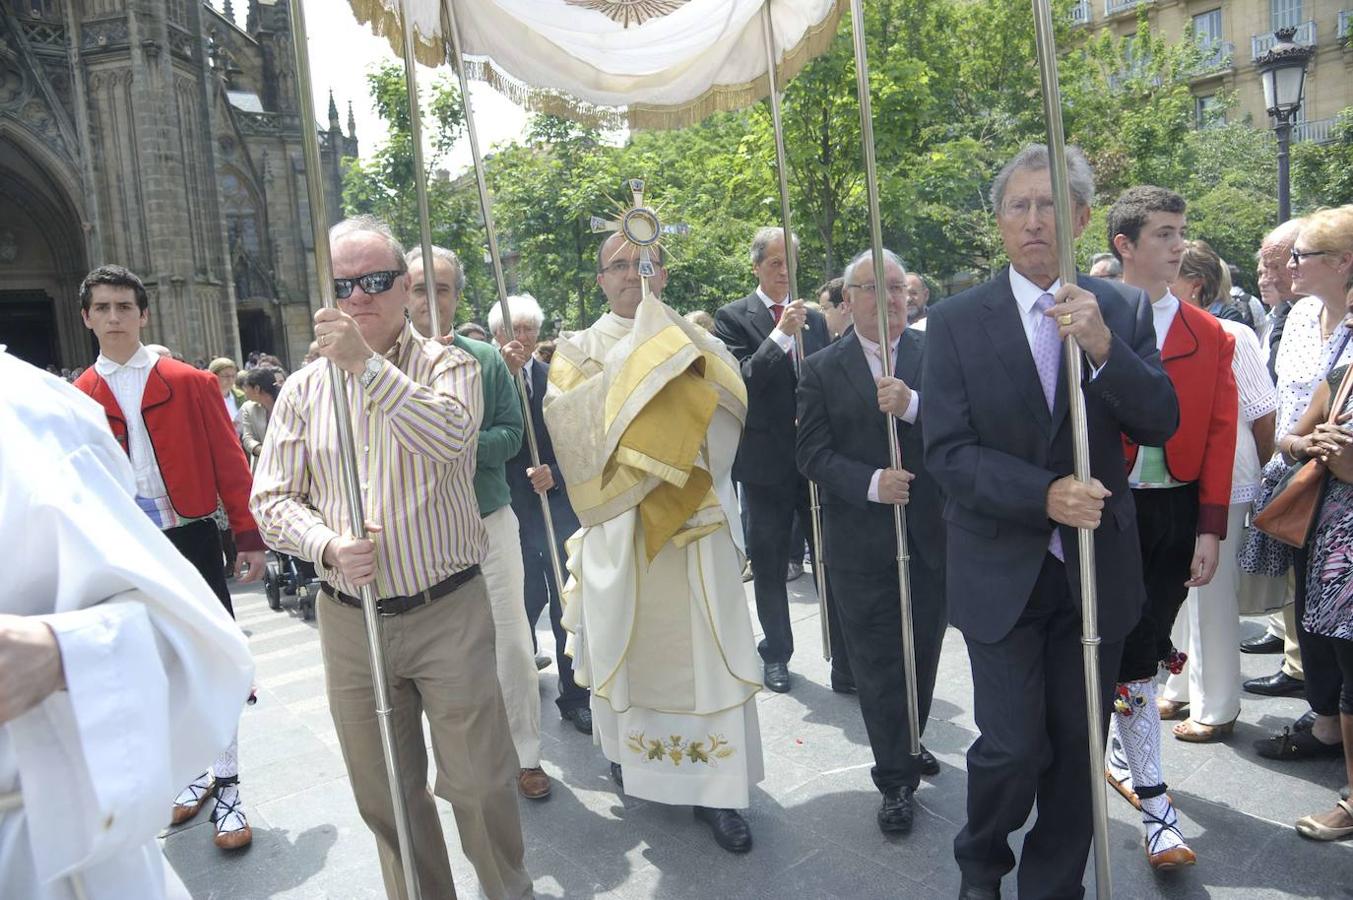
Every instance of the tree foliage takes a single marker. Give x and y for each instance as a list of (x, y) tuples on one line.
[(955, 92)]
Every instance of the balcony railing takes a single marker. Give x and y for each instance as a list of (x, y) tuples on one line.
[(1114, 7), (1345, 24), (1262, 43), (1080, 13), (1317, 131), (1216, 56)]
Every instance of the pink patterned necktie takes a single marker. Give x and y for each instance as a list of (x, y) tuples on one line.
[(1047, 348)]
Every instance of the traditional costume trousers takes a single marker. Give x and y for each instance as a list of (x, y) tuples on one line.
[(437, 655), (1029, 705), (517, 673)]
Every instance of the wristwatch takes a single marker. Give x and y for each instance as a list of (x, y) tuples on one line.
[(373, 367)]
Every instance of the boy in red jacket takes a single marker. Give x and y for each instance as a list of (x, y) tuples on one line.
[(1182, 492), (171, 421)]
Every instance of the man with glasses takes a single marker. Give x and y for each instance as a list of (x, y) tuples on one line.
[(998, 440), (760, 331), (416, 410), (644, 409)]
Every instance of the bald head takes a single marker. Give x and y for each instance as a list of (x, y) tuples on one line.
[(1275, 280)]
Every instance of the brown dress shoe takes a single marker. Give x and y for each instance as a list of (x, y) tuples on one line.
[(533, 784)]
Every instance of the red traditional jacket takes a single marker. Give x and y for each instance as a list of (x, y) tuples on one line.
[(1197, 357), (196, 447)]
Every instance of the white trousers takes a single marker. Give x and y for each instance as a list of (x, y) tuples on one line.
[(1208, 630), (517, 673)]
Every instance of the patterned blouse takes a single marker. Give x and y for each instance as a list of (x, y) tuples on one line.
[(1304, 359)]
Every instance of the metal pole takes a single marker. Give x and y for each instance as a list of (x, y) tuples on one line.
[(1284, 130), (348, 453), (881, 308), (1061, 196), (486, 208), (419, 173), (792, 264)]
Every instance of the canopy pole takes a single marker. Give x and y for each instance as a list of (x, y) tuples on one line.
[(347, 449), (420, 182), (881, 309), (792, 264), (486, 208), (1045, 42)]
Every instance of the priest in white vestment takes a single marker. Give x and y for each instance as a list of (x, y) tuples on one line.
[(645, 411), (121, 675)]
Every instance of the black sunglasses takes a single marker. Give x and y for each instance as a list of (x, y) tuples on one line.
[(372, 283), (1299, 255)]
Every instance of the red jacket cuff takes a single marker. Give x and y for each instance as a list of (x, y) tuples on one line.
[(249, 541), (1212, 520)]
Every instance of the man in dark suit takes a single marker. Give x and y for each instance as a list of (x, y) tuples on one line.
[(998, 442), (759, 330), (844, 393), (526, 484)]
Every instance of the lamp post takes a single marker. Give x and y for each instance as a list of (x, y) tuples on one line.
[(1283, 71)]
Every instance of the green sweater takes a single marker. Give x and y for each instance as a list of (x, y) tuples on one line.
[(500, 432)]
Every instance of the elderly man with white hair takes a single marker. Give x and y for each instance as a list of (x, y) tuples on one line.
[(527, 483)]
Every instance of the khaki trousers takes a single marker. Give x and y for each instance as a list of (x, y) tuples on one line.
[(437, 655), (517, 673)]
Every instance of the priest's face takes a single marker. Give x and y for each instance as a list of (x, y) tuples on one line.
[(619, 279)]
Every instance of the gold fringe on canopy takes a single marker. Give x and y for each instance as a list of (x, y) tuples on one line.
[(433, 51)]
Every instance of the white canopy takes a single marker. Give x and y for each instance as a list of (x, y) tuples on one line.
[(644, 63)]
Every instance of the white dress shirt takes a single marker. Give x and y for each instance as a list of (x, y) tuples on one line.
[(875, 361), (784, 341), (128, 384)]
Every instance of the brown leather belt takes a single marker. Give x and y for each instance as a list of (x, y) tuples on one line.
[(393, 606)]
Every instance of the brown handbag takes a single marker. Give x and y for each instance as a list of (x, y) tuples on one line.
[(1289, 515)]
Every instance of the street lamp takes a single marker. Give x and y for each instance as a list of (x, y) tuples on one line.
[(1283, 70)]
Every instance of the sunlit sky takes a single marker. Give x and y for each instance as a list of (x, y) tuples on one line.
[(342, 51)]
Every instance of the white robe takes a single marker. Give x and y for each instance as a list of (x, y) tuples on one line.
[(156, 671), (666, 645)]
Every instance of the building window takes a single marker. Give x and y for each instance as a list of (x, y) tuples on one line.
[(1286, 13), (1208, 112), (1207, 28)]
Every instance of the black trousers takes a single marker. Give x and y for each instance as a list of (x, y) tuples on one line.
[(870, 619), (770, 513), (1029, 704), (200, 544), (1319, 664), (1167, 526), (542, 591)]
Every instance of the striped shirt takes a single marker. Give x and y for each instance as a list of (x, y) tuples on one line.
[(127, 381), (415, 428)]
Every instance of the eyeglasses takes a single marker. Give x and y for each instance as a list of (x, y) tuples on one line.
[(896, 288), (626, 266), (1019, 209), (372, 283), (1299, 255)]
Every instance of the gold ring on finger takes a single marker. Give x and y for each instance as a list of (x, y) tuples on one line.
[(1065, 319)]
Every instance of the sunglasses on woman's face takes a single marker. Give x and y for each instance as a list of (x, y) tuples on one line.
[(1299, 255), (372, 283)]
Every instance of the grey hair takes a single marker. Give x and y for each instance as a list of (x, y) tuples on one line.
[(868, 256), (1035, 156), (525, 310), (1115, 267), (444, 255), (762, 241), (365, 224)]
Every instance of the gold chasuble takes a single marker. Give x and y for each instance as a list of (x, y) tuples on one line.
[(645, 415)]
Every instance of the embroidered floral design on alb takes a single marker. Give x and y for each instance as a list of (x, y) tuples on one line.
[(677, 749)]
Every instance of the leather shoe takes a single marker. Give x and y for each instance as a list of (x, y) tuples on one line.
[(580, 716), (617, 776), (969, 891), (729, 828), (929, 764), (1265, 643), (895, 813), (533, 784), (777, 677), (1291, 746), (1279, 684), (1304, 722)]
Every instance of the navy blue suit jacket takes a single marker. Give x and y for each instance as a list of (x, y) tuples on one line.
[(525, 501), (994, 449)]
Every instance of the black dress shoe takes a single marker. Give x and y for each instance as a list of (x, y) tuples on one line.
[(729, 828), (929, 764), (1279, 684), (1265, 643), (617, 776), (1304, 722), (581, 717), (895, 812), (969, 891), (777, 677), (1291, 746)]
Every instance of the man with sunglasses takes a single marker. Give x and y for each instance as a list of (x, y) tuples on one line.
[(416, 409)]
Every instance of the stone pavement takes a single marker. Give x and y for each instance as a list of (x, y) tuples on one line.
[(812, 818)]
